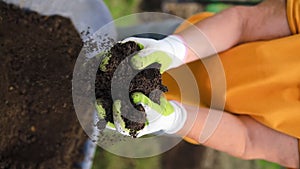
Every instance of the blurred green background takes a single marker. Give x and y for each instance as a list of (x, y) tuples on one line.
[(208, 158)]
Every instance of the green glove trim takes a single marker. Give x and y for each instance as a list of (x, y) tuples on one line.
[(104, 62), (141, 62), (111, 125), (165, 108), (118, 120), (100, 109), (101, 113), (141, 46)]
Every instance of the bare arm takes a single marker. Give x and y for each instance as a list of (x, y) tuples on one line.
[(236, 25), (243, 137)]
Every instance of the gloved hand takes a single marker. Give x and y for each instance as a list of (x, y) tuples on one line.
[(168, 116), (169, 52)]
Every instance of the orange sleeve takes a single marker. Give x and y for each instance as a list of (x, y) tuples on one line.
[(192, 20), (293, 15)]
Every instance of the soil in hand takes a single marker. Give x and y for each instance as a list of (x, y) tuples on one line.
[(118, 80), (38, 124)]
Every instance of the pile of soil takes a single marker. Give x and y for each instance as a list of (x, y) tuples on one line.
[(125, 81), (38, 124)]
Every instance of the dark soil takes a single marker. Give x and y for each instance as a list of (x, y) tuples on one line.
[(38, 124), (126, 81)]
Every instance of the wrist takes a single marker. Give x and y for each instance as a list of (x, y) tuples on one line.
[(174, 44), (178, 118)]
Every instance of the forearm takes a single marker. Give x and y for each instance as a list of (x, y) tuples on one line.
[(230, 135), (234, 26), (266, 143), (266, 21), (212, 35), (243, 137)]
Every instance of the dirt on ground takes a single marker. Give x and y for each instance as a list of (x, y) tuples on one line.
[(38, 124)]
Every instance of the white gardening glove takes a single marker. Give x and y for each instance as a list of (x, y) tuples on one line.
[(168, 116), (169, 52)]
